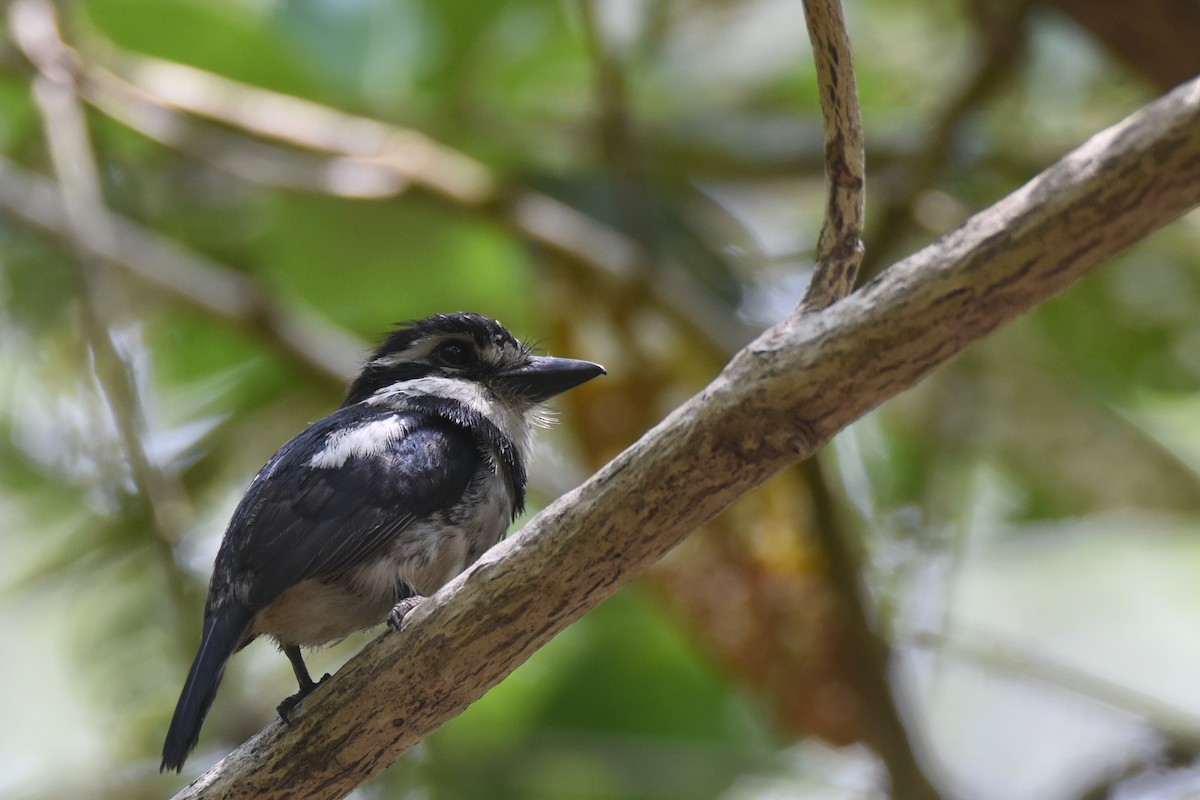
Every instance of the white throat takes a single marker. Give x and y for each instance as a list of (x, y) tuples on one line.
[(512, 421)]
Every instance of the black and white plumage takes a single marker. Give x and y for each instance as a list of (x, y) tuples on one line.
[(419, 471)]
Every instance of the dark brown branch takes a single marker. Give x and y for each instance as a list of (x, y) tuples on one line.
[(775, 403), (1155, 37)]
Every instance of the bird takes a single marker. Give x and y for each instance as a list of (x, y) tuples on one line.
[(359, 517)]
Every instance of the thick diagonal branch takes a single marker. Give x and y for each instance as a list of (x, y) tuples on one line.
[(778, 400)]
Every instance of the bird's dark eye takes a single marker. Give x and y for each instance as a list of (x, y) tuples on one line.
[(453, 354)]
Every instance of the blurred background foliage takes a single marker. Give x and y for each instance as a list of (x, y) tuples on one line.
[(638, 183)]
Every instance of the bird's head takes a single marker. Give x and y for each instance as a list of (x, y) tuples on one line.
[(466, 358)]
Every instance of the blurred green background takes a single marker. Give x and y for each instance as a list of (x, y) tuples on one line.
[(638, 183)]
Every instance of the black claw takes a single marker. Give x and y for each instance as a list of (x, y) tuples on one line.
[(288, 706), (306, 683), (402, 610)]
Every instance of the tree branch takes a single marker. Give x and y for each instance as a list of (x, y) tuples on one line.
[(386, 159), (839, 247), (85, 218), (776, 402), (620, 148), (994, 653), (1001, 35), (839, 256), (340, 154), (326, 352), (902, 754)]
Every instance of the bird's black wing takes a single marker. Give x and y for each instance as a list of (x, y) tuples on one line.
[(327, 500)]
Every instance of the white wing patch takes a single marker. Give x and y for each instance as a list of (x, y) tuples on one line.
[(365, 441)]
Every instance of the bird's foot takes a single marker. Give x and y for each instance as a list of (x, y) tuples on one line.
[(402, 610), (285, 708)]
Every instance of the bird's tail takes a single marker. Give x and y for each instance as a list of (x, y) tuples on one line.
[(223, 633)]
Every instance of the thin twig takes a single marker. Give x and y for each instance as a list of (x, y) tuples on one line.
[(620, 148), (235, 153), (328, 353), (839, 253), (839, 248), (84, 213), (871, 657), (362, 146), (79, 190), (309, 125), (1154, 767), (994, 653), (1002, 42)]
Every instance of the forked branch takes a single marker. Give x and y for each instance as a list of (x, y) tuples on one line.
[(776, 402)]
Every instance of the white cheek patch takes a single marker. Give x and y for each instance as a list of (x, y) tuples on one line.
[(464, 391), (511, 421), (363, 441)]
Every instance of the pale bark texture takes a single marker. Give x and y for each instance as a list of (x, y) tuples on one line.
[(775, 403), (839, 248)]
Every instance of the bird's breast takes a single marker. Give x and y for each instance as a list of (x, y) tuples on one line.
[(433, 550), (424, 556)]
